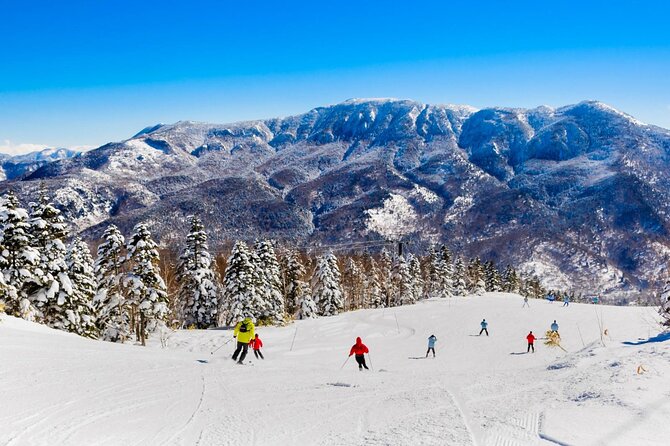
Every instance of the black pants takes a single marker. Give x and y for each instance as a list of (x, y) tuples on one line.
[(258, 353), (429, 350), (241, 347), (483, 330), (530, 346), (360, 359)]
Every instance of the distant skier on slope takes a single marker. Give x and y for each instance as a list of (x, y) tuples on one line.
[(359, 349), (525, 302), (566, 300), (244, 332), (484, 325), (531, 342), (256, 345), (554, 327), (431, 345)]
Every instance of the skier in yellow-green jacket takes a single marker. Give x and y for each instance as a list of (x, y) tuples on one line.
[(244, 332)]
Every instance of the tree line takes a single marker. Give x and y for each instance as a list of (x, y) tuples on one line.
[(128, 291)]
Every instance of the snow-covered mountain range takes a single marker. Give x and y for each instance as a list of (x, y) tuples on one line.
[(578, 194), (14, 166)]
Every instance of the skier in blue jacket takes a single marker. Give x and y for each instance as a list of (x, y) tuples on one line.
[(484, 325), (431, 345), (554, 327)]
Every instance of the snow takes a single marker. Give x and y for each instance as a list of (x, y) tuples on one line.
[(58, 388)]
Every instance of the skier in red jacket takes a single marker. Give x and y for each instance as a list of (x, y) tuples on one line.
[(531, 339), (256, 344), (359, 349)]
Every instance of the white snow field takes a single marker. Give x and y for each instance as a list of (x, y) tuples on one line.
[(59, 389)]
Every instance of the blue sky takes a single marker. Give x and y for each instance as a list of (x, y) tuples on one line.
[(82, 73)]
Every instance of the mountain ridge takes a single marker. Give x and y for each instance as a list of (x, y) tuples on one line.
[(576, 194)]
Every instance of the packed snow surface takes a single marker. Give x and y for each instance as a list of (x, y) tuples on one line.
[(57, 388)]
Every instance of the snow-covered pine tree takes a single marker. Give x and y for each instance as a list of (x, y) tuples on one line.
[(79, 305), (664, 310), (113, 319), (416, 277), (492, 277), (18, 258), (271, 288), (53, 287), (240, 296), (373, 289), (443, 273), (306, 306), (432, 275), (476, 284), (353, 284), (198, 292), (510, 280), (403, 293), (385, 266), (460, 275), (147, 293), (326, 287), (294, 275)]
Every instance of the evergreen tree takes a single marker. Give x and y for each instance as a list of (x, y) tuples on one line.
[(432, 273), (306, 306), (18, 259), (373, 289), (294, 278), (511, 282), (492, 277), (198, 290), (146, 289), (239, 286), (51, 292), (443, 273), (271, 287), (476, 284), (416, 277), (79, 306), (385, 267), (664, 310), (402, 283), (326, 287), (353, 284), (109, 303), (460, 275)]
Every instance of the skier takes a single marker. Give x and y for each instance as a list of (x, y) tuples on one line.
[(594, 300), (531, 339), (525, 302), (551, 298), (244, 332), (554, 327), (566, 300), (359, 349), (484, 324), (256, 344), (431, 345)]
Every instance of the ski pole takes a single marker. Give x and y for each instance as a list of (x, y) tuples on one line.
[(345, 362), (225, 343), (294, 334), (370, 359)]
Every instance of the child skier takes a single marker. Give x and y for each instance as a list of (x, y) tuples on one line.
[(566, 300), (431, 345), (484, 325), (256, 344), (359, 349), (531, 340), (244, 332), (554, 327)]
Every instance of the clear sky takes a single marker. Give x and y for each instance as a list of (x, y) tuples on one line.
[(82, 73)]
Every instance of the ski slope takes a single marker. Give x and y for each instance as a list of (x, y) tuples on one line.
[(57, 388)]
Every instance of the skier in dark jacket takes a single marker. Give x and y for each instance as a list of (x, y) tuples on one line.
[(359, 349)]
